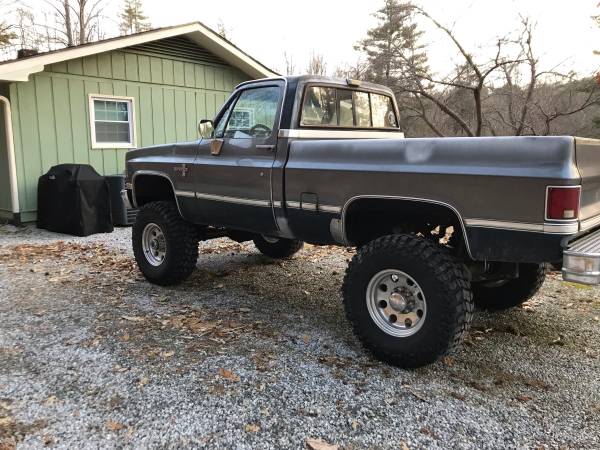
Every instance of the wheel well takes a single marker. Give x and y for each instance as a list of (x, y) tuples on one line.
[(152, 188), (368, 218)]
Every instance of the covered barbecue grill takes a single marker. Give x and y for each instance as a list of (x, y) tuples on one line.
[(74, 199)]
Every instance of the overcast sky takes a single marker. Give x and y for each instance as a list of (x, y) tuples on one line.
[(267, 28)]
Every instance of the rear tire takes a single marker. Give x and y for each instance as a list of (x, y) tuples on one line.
[(277, 248), (408, 300), (165, 246), (513, 292)]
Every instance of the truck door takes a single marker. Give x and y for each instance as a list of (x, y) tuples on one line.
[(233, 170)]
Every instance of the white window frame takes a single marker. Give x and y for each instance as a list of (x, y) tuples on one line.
[(132, 122)]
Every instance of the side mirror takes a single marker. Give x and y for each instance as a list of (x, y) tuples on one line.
[(206, 128)]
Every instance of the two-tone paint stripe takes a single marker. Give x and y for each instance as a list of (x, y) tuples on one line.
[(548, 228)]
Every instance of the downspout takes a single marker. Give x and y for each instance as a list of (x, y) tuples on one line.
[(12, 165)]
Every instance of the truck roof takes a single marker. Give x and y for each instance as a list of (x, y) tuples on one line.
[(304, 79)]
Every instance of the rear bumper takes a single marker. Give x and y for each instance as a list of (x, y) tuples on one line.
[(581, 260)]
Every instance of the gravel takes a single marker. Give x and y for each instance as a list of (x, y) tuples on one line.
[(252, 353)]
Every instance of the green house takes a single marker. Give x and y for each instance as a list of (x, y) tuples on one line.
[(91, 103)]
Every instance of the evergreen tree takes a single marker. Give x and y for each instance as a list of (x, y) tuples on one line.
[(394, 55), (133, 19)]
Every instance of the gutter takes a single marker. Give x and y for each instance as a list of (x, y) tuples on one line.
[(10, 154)]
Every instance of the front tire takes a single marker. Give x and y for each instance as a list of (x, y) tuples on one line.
[(165, 246), (277, 248), (511, 293), (409, 301)]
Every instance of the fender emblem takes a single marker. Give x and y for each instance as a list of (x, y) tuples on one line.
[(183, 169)]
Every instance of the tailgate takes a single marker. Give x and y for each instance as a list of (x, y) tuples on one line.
[(587, 153)]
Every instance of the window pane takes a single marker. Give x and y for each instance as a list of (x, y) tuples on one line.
[(345, 108), (383, 112), (254, 114), (111, 110), (112, 132), (319, 107), (362, 109)]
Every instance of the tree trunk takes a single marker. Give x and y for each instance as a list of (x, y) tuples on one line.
[(68, 26), (82, 20)]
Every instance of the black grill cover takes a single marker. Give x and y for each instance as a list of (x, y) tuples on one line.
[(74, 199)]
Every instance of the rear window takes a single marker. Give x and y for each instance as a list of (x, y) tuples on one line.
[(346, 108)]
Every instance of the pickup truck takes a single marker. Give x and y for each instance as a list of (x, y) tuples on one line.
[(440, 225)]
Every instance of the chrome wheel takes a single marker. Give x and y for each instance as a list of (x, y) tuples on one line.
[(154, 244), (396, 303)]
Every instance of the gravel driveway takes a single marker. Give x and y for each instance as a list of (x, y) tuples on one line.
[(250, 353)]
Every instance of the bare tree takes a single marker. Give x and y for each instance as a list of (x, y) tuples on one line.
[(506, 93), (7, 33), (77, 21), (316, 65), (222, 30), (290, 65), (356, 71)]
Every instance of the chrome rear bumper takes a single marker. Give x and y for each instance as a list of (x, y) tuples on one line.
[(581, 260)]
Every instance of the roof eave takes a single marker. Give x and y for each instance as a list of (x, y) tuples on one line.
[(20, 70)]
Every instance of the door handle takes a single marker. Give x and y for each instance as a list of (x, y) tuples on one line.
[(271, 148)]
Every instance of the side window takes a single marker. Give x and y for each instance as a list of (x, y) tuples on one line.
[(383, 112), (254, 113), (319, 107)]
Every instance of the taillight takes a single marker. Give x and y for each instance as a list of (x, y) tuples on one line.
[(563, 203)]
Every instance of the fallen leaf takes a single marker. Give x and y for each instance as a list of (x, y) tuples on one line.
[(458, 396), (167, 354), (51, 400), (144, 381), (252, 428), (523, 398), (320, 444), (133, 318), (124, 337), (6, 422), (404, 446), (414, 393), (229, 375), (538, 384), (306, 338), (114, 426)]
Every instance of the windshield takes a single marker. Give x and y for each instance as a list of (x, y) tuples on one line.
[(345, 108)]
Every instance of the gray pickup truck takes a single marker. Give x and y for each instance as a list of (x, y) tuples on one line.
[(440, 225)]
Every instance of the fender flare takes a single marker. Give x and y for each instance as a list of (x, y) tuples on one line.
[(448, 206), (154, 173)]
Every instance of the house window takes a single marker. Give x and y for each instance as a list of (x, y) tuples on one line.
[(241, 119), (112, 122)]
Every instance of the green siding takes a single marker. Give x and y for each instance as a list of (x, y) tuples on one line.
[(51, 111)]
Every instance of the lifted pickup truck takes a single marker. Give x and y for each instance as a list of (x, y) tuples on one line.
[(440, 225)]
